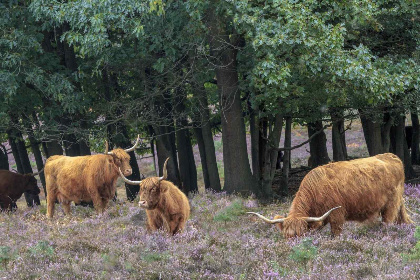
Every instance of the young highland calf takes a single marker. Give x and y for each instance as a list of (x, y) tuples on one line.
[(85, 178), (166, 206), (356, 190)]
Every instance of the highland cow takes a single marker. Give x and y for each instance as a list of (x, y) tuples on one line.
[(85, 178), (356, 190), (166, 206), (13, 185)]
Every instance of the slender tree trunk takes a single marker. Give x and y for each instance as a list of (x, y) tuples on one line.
[(338, 136), (187, 168), (385, 132), (262, 143), (211, 161), (415, 153), (164, 151), (271, 154), (318, 145), (201, 148), (254, 131), (401, 147), (26, 164), (4, 160), (284, 188), (38, 159)]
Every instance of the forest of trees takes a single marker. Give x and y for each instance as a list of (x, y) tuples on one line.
[(75, 73)]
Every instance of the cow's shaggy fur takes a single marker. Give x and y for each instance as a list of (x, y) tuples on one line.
[(364, 188), (166, 205), (83, 178), (13, 185)]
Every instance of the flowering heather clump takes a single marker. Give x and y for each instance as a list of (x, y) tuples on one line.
[(219, 242)]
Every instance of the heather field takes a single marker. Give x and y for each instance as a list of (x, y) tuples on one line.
[(220, 241)]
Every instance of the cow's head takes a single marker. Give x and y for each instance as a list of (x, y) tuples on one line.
[(31, 186), (121, 158), (150, 189), (296, 226)]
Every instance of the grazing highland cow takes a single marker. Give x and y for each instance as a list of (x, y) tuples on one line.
[(166, 206), (13, 185), (85, 178), (359, 190)]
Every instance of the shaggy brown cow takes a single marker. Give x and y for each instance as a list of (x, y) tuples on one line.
[(166, 206), (359, 189), (13, 185), (85, 178)]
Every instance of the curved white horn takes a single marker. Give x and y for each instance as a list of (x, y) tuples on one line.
[(323, 217), (276, 221), (135, 145), (107, 148), (165, 171), (127, 180)]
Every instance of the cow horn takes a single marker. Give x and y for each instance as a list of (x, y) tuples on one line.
[(127, 180), (135, 145), (107, 148), (165, 171), (36, 173), (323, 217), (276, 221)]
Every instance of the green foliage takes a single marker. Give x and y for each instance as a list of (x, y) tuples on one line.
[(42, 249), (414, 255), (155, 256), (6, 255), (230, 212), (304, 252)]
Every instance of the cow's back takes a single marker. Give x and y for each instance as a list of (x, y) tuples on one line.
[(362, 186)]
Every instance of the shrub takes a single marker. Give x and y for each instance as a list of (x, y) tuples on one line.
[(230, 212), (42, 249), (304, 251), (6, 255), (414, 254)]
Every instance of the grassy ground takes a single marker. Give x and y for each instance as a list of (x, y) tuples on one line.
[(219, 242)]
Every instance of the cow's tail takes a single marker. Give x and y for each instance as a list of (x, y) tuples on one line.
[(403, 217)]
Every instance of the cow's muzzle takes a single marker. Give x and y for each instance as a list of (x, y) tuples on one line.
[(143, 204), (128, 172)]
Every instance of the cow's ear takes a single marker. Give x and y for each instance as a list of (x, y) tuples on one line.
[(163, 188), (279, 225)]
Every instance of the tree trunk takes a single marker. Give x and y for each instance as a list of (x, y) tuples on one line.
[(164, 151), (38, 159), (223, 48), (317, 145), (53, 148), (385, 133), (284, 187), (338, 136), (415, 153), (200, 141), (400, 146), (373, 135), (4, 160), (187, 168), (271, 154), (26, 164), (255, 135), (211, 161)]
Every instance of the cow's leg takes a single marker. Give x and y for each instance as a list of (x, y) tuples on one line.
[(403, 217), (390, 211), (51, 198), (154, 220), (97, 201), (177, 223), (66, 207)]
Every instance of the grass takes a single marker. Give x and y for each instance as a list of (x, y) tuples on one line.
[(220, 242)]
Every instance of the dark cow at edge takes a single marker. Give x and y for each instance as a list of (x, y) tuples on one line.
[(85, 178), (13, 185), (166, 206), (356, 190)]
